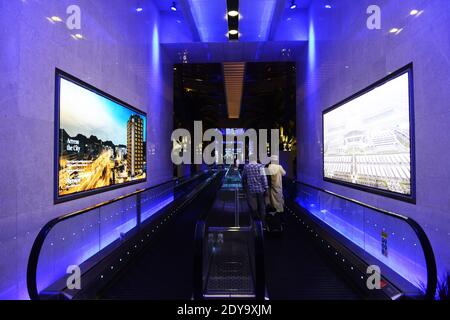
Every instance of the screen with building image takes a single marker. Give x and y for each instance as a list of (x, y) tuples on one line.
[(101, 140), (367, 138)]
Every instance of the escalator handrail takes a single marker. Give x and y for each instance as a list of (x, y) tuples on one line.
[(425, 243), (35, 252), (200, 231), (199, 234), (260, 273)]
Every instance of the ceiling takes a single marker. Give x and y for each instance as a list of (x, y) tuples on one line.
[(235, 51), (210, 78), (260, 20), (233, 73)]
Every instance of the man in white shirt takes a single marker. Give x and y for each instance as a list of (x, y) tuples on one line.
[(276, 173)]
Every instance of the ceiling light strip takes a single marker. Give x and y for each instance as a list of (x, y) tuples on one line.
[(234, 82)]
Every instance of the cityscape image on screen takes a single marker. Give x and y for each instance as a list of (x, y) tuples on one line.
[(367, 140), (101, 143)]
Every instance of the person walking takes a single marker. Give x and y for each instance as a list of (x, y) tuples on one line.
[(276, 173), (255, 182)]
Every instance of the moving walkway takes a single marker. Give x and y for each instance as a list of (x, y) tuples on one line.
[(354, 237), (106, 239), (196, 238)]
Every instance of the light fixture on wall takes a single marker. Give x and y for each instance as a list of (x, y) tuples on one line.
[(77, 36), (293, 5), (56, 19), (174, 6), (395, 31), (139, 8)]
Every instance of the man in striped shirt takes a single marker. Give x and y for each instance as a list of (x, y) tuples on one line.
[(255, 183)]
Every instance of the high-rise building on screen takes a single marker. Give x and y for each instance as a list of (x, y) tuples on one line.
[(101, 140), (135, 145)]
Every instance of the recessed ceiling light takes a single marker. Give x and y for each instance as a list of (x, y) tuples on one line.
[(414, 12), (56, 19), (293, 5), (394, 30), (233, 13), (233, 32), (173, 7), (327, 6), (78, 36), (139, 9)]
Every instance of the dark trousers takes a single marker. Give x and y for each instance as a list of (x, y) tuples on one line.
[(258, 204)]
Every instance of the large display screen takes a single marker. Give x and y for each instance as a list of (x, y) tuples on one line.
[(368, 138), (101, 141)]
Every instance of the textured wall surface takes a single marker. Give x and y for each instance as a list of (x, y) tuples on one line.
[(344, 56), (120, 55)]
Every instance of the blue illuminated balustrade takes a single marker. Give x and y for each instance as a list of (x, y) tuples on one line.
[(72, 239), (398, 242)]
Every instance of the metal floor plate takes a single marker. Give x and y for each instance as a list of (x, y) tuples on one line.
[(230, 270)]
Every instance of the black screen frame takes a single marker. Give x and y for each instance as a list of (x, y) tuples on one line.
[(60, 74), (411, 198)]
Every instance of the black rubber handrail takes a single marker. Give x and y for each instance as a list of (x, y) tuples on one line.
[(199, 234), (425, 243), (200, 230), (260, 273), (33, 259)]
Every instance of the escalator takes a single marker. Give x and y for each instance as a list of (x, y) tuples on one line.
[(289, 266), (297, 270), (164, 269), (125, 248), (141, 246), (332, 248), (335, 247)]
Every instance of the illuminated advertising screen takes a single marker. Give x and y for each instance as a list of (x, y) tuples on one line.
[(368, 138), (101, 141)]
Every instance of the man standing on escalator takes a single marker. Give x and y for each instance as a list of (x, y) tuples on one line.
[(255, 183)]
